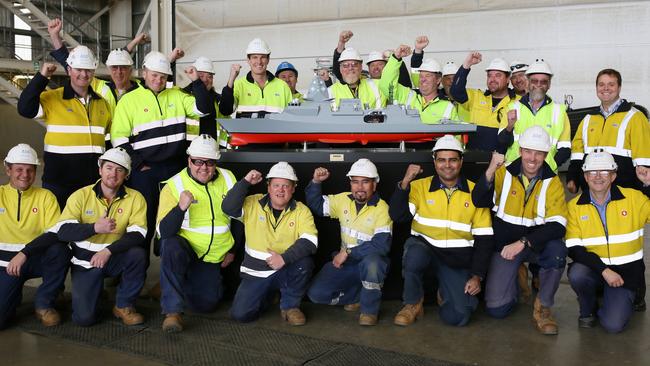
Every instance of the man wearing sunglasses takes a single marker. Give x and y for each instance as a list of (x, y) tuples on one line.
[(605, 240), (196, 241), (518, 78)]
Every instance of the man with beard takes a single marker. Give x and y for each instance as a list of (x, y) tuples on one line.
[(529, 222), (518, 78), (432, 106), (538, 109), (365, 242), (449, 234), (353, 85), (106, 224), (485, 109)]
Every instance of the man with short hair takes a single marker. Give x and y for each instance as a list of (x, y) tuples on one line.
[(196, 241), (605, 240), (529, 222), (518, 78), (280, 239), (31, 249), (449, 234), (106, 224), (365, 242)]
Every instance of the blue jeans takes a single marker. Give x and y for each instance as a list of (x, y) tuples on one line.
[(254, 293), (87, 284), (52, 265), (184, 278), (457, 306), (501, 285), (617, 307), (356, 281)]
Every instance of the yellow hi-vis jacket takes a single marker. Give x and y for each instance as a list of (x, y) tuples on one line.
[(205, 227), (367, 91), (250, 98)]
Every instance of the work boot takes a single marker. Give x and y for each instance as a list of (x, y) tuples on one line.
[(352, 307), (293, 316), (587, 321), (544, 319), (524, 286), (128, 315), (409, 313), (173, 323), (49, 317), (367, 319)]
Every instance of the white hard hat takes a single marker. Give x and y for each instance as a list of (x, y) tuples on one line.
[(430, 65), (599, 160), (119, 57), (282, 170), (118, 156), (350, 54), (539, 67), (22, 154), (156, 61), (203, 64), (518, 66), (535, 138), (374, 56), (498, 64), (450, 68), (258, 47), (448, 142), (81, 57), (364, 168), (205, 147)]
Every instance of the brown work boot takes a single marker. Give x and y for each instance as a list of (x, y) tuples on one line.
[(352, 307), (544, 319), (409, 313), (49, 317), (128, 315), (367, 319), (293, 316), (173, 323), (522, 279)]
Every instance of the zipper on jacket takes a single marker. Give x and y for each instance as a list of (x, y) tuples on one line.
[(20, 194), (212, 226)]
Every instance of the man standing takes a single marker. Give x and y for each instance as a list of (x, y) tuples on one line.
[(529, 222), (449, 234), (518, 78), (365, 242), (352, 85), (106, 225), (280, 239), (31, 249), (195, 234), (605, 241)]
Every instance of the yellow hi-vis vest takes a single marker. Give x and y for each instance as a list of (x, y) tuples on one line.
[(626, 219), (357, 227), (205, 226), (446, 223), (368, 92), (552, 117), (23, 217)]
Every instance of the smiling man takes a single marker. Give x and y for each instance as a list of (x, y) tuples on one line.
[(529, 222), (353, 85), (355, 276)]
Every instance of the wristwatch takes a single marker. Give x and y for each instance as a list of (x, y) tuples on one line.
[(348, 251), (525, 241)]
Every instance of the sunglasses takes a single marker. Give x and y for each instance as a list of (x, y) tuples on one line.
[(199, 162), (517, 66)]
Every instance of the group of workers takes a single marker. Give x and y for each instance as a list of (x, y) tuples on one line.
[(161, 178)]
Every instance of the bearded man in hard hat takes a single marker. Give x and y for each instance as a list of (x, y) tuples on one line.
[(259, 92), (287, 72), (76, 119), (150, 124), (537, 109), (280, 238), (31, 249), (449, 235), (486, 109), (355, 276), (605, 239), (352, 85), (106, 224), (432, 106), (529, 223), (196, 241), (518, 78)]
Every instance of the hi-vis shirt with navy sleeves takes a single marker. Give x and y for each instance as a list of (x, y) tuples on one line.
[(87, 205), (205, 227)]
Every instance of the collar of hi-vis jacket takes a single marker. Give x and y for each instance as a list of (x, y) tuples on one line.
[(511, 93), (461, 184), (373, 201), (615, 192), (97, 188), (515, 169), (266, 201), (269, 77), (69, 93)]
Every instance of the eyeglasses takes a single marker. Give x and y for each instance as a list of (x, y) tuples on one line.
[(517, 66), (199, 162), (602, 173), (349, 65)]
